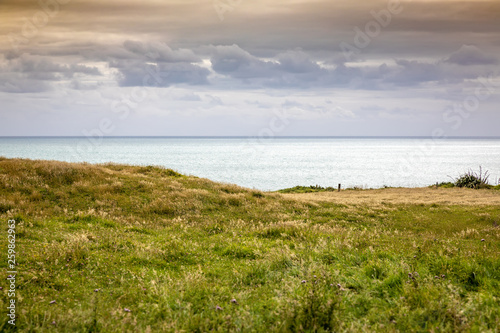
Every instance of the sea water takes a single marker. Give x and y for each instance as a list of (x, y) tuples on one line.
[(272, 164)]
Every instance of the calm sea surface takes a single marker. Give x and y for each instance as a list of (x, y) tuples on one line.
[(273, 164)]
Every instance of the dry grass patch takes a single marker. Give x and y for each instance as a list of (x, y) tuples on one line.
[(397, 196)]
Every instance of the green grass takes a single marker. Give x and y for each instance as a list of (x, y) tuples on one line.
[(176, 250)]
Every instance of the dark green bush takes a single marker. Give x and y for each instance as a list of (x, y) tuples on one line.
[(472, 179)]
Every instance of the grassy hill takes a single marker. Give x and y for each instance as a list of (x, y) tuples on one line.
[(115, 248)]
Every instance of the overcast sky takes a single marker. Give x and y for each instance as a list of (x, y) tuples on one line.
[(250, 67)]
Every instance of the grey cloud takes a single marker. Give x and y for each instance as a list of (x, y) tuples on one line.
[(289, 69), (161, 74), (297, 69), (238, 63), (410, 72), (43, 76), (15, 84), (471, 55), (297, 62), (34, 64), (28, 73), (160, 52), (414, 73), (79, 85)]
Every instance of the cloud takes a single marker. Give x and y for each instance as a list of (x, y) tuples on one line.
[(298, 69), (297, 62), (264, 51), (29, 73), (158, 65), (160, 52), (410, 72), (469, 55), (236, 62), (35, 64), (160, 75), (14, 84), (285, 70), (145, 64)]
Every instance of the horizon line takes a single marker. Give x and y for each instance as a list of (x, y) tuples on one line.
[(246, 137)]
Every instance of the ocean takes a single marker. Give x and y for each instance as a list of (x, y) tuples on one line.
[(277, 163)]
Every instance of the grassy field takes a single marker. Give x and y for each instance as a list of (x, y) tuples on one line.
[(114, 248)]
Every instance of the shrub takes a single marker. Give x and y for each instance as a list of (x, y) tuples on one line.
[(472, 179)]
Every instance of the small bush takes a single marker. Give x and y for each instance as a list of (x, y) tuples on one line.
[(472, 179)]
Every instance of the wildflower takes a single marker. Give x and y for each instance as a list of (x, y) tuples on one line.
[(482, 240), (126, 310), (304, 281), (234, 301), (443, 276), (97, 290), (52, 302), (218, 308)]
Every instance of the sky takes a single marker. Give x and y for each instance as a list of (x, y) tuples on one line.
[(249, 68)]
